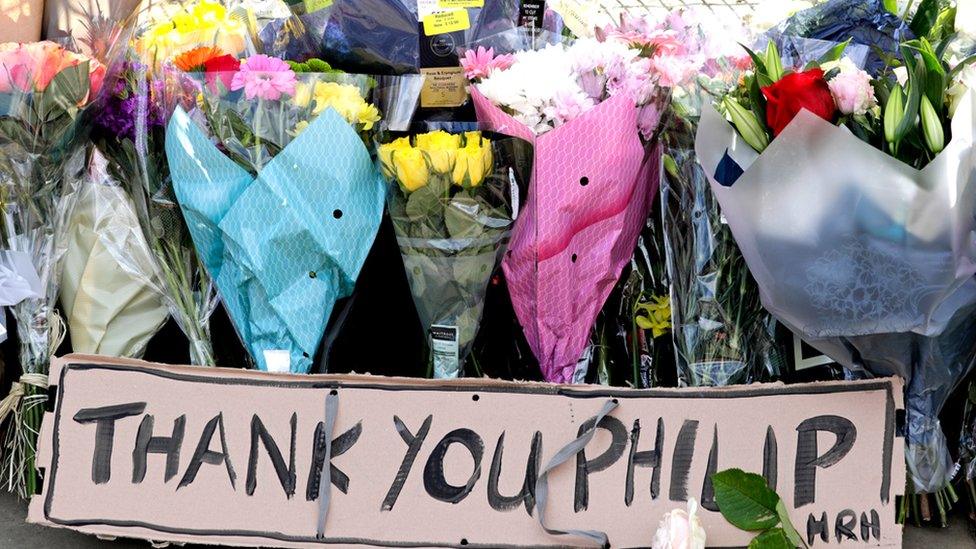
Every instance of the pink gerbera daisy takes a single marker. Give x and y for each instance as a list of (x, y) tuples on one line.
[(264, 77), (480, 63)]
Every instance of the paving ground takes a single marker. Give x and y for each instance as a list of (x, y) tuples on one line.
[(15, 533)]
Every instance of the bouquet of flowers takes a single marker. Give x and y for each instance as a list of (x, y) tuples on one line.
[(687, 276), (453, 199), (274, 174), (129, 130), (591, 109), (109, 308), (851, 196), (45, 89)]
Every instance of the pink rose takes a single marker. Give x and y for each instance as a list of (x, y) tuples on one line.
[(853, 92), (47, 59), (96, 77), (13, 63)]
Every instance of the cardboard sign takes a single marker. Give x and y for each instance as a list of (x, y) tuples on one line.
[(235, 457)]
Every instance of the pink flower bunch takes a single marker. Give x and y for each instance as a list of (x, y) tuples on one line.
[(32, 66), (479, 63), (264, 77), (682, 45), (642, 33)]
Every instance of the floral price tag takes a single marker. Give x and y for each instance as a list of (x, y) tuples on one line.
[(446, 21)]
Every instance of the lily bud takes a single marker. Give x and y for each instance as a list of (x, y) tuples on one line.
[(932, 127), (747, 125), (894, 112)]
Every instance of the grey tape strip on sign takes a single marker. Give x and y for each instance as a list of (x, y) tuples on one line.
[(562, 456)]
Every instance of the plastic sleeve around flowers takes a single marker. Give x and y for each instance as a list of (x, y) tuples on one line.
[(110, 290), (721, 332), (868, 259), (382, 36), (453, 213)]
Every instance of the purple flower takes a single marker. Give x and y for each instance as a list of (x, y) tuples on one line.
[(131, 105)]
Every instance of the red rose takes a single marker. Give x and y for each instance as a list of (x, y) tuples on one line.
[(799, 90), (222, 67)]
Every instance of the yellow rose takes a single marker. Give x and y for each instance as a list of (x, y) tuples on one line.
[(441, 148), (386, 151), (474, 162), (411, 168)]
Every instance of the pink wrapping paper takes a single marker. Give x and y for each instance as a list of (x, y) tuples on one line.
[(571, 241)]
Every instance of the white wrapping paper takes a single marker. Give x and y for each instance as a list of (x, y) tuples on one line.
[(866, 258), (109, 307)]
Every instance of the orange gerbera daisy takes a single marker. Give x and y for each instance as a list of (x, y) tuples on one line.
[(195, 59)]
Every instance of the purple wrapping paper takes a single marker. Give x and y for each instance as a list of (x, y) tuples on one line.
[(592, 188)]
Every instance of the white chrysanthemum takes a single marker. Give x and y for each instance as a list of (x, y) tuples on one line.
[(531, 90)]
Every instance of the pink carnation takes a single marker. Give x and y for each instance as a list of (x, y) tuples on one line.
[(480, 63), (853, 92), (672, 71), (568, 105), (264, 77)]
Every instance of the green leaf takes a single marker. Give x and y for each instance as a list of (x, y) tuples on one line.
[(745, 500), (423, 205), (926, 17), (461, 218), (756, 99), (891, 6), (772, 539), (834, 53), (62, 95), (944, 44), (758, 61), (944, 26), (916, 87), (787, 525)]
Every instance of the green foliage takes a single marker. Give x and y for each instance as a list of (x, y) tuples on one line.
[(747, 502), (774, 538), (926, 16)]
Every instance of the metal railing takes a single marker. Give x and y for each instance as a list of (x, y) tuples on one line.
[(720, 7)]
